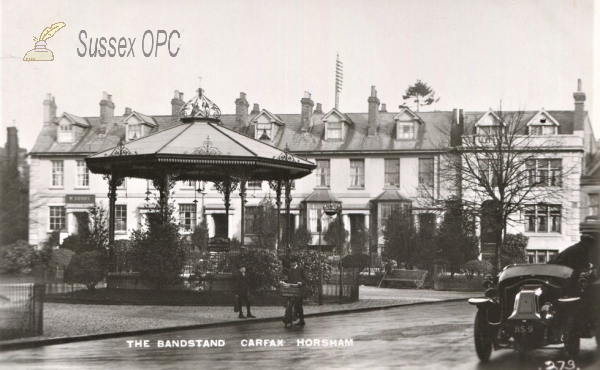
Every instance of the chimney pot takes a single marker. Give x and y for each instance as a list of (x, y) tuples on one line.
[(579, 84), (127, 111), (383, 108), (180, 96), (176, 94), (373, 92), (255, 109), (306, 95), (319, 108), (104, 95)]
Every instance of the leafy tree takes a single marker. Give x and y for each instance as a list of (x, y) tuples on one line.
[(263, 268), (482, 268), (159, 249), (264, 225), (14, 197), (332, 236), (87, 268), (92, 231), (514, 249), (361, 239), (300, 239), (310, 260), (456, 237), (421, 94), (399, 236), (17, 258), (492, 167), (200, 236)]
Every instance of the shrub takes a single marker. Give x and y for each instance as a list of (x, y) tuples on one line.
[(480, 267), (263, 268), (17, 258), (124, 255), (199, 237), (310, 261), (87, 268), (60, 258), (513, 250), (159, 250), (300, 239)]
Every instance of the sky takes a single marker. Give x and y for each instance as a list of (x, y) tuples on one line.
[(476, 54)]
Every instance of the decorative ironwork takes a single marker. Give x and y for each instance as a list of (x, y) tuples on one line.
[(207, 148), (113, 181), (121, 150), (200, 107), (332, 208), (286, 155)]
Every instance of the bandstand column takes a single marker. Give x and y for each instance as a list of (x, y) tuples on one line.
[(243, 205), (113, 183), (288, 202)]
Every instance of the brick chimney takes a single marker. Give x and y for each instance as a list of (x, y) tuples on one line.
[(255, 109), (49, 110), (579, 119), (455, 129), (373, 116), (107, 112), (127, 111), (12, 145), (176, 104), (241, 111), (306, 115), (383, 108), (319, 108)]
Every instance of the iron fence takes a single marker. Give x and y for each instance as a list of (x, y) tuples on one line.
[(21, 310)]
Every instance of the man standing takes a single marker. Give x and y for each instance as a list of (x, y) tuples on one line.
[(242, 290), (297, 274)]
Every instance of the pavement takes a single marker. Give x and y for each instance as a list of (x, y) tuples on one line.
[(67, 323), (420, 336)]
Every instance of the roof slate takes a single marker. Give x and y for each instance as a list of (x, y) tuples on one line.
[(433, 133)]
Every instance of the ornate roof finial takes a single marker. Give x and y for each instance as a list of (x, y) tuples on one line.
[(200, 106)]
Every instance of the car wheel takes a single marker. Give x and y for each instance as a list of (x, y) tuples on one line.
[(483, 336)]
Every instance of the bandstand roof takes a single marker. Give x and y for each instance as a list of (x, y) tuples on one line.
[(200, 148)]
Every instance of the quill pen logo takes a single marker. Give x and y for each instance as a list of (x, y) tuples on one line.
[(40, 53)]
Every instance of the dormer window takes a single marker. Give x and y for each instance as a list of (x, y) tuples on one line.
[(489, 127), (336, 125), (542, 123), (70, 128), (407, 124), (266, 125), (138, 125)]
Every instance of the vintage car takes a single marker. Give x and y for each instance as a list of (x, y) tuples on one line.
[(531, 306)]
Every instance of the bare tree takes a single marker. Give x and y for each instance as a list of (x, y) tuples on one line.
[(502, 167)]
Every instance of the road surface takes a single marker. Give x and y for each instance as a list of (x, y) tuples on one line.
[(436, 336)]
